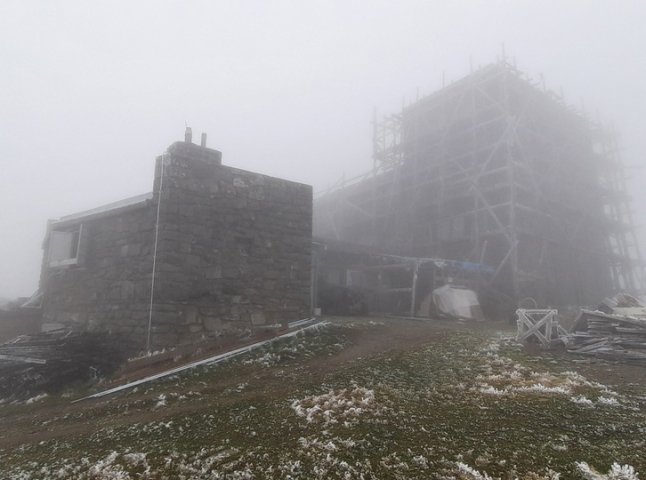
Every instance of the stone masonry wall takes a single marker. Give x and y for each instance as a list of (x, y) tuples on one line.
[(110, 288), (233, 253), (234, 247)]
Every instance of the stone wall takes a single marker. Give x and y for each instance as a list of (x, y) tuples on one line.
[(234, 247), (233, 252), (109, 289)]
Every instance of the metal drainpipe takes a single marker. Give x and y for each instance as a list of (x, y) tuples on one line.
[(152, 284)]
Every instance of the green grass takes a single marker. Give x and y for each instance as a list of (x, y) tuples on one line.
[(429, 412)]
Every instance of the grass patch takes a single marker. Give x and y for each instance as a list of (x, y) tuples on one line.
[(463, 405)]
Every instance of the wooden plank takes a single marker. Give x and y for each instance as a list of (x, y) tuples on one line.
[(22, 359)]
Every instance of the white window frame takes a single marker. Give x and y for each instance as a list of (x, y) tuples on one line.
[(63, 262)]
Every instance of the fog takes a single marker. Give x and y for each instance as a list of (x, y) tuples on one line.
[(91, 92)]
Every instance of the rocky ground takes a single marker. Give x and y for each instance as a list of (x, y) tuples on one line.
[(356, 398)]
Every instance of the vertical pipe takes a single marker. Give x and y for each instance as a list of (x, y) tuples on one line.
[(152, 283), (511, 179), (413, 299), (314, 280)]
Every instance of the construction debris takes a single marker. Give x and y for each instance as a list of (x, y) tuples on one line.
[(610, 336), (16, 320), (623, 304), (615, 331), (48, 362)]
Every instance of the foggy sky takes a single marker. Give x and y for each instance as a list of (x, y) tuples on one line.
[(91, 92)]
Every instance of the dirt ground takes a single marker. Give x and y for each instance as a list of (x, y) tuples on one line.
[(430, 376), (392, 335), (29, 425)]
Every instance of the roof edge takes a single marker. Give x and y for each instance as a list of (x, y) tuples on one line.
[(107, 209)]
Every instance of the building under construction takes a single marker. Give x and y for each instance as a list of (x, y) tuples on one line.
[(495, 169)]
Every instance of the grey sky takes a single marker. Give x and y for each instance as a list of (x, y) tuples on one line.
[(91, 92)]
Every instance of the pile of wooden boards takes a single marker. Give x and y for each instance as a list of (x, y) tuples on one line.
[(48, 362), (616, 330), (613, 336)]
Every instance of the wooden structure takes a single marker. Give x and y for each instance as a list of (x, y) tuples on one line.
[(495, 169), (539, 325)]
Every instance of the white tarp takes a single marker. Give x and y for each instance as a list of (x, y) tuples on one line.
[(457, 302)]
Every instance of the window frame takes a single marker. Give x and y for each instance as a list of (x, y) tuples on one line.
[(75, 247)]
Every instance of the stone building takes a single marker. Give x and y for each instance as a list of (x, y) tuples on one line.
[(212, 249)]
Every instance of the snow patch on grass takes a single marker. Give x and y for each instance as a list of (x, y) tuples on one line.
[(161, 401), (616, 472), (582, 400), (335, 406), (608, 401), (472, 473), (35, 399), (489, 390), (540, 388), (501, 376)]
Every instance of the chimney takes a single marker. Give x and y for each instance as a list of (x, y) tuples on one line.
[(203, 141), (188, 135)]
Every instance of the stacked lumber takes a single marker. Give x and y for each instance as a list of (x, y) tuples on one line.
[(49, 362), (609, 336)]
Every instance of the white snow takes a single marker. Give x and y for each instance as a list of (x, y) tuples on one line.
[(616, 472), (161, 401), (37, 398), (336, 405), (475, 474), (608, 401), (582, 400)]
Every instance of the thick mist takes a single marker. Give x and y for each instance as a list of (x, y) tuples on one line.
[(90, 93)]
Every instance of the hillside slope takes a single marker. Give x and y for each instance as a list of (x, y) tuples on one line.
[(359, 398)]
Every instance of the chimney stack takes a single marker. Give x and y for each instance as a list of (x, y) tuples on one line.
[(188, 135), (203, 141)]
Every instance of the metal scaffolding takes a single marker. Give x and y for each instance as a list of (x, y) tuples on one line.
[(496, 169)]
